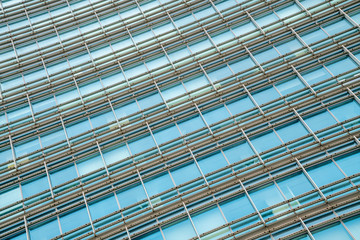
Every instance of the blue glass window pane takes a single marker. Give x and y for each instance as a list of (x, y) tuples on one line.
[(266, 95), (266, 196), (90, 88), (67, 220), (341, 66), (130, 12), (310, 3), (244, 28), (353, 225), (34, 187), (158, 184), (10, 196), (222, 5), (149, 101), (267, 19), (166, 135), (266, 55), (356, 17), (337, 27), (103, 207), (289, 86), (289, 46), (66, 97), (292, 131), (199, 46), (204, 13), (332, 173), (19, 113), (173, 92), (349, 163), (116, 155), (316, 76), (212, 163), (191, 125), (26, 148), (32, 76), (5, 155), (336, 231), (63, 175), (43, 104), (185, 173), (141, 144), (196, 83), (178, 54), (126, 110), (346, 111), (222, 37), (219, 74), (104, 118), (131, 195), (294, 185), (216, 115), (236, 208), (151, 236), (163, 28), (19, 237), (320, 121), (160, 61), (78, 128), (45, 231), (239, 152), (74, 61), (240, 105), (113, 79), (314, 36), (242, 65), (89, 165), (182, 230), (110, 20), (136, 70), (287, 11), (208, 220), (143, 36), (52, 138), (265, 141), (122, 44), (184, 20)]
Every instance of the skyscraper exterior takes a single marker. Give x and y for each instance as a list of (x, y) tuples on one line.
[(180, 119)]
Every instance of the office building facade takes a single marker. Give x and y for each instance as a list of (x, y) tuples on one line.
[(180, 119)]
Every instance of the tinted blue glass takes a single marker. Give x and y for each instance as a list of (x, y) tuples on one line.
[(208, 220), (239, 152), (289, 10), (313, 36), (265, 141), (123, 111), (311, 3), (34, 187), (182, 230), (102, 119), (294, 185), (195, 83), (141, 144), (151, 236), (149, 101), (341, 66), (265, 95), (289, 86), (200, 46), (212, 163), (63, 175), (353, 225), (316, 76), (26, 148), (219, 74), (131, 195), (222, 37), (346, 111), (289, 46), (113, 79), (5, 155), (173, 92), (267, 19), (179, 54), (78, 128), (103, 207), (266, 55), (116, 155), (336, 231), (332, 173), (240, 105), (191, 125), (89, 165), (185, 173), (156, 63), (135, 71), (10, 196), (242, 65), (349, 163), (52, 138), (67, 220), (266, 196), (158, 184), (216, 115), (320, 121), (166, 134), (19, 113), (337, 26), (236, 208), (45, 231), (292, 131)]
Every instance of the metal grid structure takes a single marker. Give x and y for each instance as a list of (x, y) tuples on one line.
[(180, 119)]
